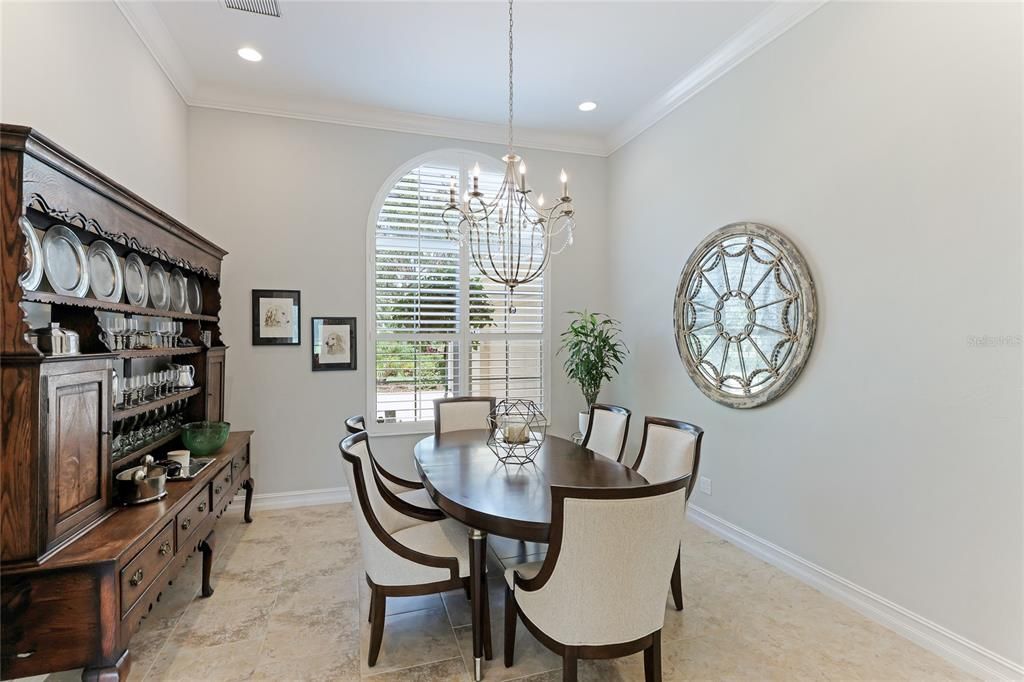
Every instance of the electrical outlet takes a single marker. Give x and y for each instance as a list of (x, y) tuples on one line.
[(705, 485)]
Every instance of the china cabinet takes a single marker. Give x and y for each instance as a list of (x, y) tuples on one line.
[(78, 570)]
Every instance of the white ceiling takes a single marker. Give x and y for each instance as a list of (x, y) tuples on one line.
[(429, 66)]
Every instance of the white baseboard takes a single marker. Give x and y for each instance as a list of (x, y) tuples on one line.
[(298, 498), (961, 652)]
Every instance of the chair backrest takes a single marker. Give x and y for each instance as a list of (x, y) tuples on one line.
[(669, 449), (386, 561), (355, 424), (461, 414), (356, 450), (611, 556), (607, 430)]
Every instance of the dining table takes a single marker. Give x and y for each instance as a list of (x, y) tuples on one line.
[(467, 481)]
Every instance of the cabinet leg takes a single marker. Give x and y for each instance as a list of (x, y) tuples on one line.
[(111, 673), (206, 546), (248, 484)]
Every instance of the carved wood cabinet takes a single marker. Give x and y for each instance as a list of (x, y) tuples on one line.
[(79, 571)]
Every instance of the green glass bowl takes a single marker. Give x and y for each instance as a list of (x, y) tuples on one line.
[(204, 438)]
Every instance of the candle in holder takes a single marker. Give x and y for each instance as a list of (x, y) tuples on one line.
[(516, 433)]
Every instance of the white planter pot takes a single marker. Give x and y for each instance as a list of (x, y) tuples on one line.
[(584, 417)]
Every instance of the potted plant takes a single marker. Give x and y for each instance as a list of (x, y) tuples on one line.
[(593, 354)]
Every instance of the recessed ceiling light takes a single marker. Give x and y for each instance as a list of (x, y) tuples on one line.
[(588, 106), (250, 55)]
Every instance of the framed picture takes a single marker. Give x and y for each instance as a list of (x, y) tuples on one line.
[(334, 343), (275, 318)]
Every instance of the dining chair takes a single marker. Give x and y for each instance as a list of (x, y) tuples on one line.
[(607, 430), (584, 600), (402, 556), (670, 449), (411, 492), (461, 414)]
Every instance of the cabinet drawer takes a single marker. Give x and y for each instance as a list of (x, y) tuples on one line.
[(192, 516), (240, 462), (222, 488), (145, 567)]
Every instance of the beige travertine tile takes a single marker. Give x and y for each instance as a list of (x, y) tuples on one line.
[(410, 639), (291, 604), (452, 670)]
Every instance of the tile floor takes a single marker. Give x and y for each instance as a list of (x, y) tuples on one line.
[(291, 603)]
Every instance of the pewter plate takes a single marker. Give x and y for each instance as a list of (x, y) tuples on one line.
[(159, 288), (33, 277), (136, 284), (194, 295), (64, 262), (105, 277), (178, 302)]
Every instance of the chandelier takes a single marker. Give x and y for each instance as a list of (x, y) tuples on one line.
[(510, 237)]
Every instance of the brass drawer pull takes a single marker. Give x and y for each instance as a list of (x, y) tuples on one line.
[(186, 523), (165, 548), (202, 507), (136, 579), (217, 489)]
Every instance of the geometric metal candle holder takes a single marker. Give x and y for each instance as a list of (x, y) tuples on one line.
[(517, 430)]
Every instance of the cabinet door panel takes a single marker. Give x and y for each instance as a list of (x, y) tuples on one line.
[(77, 448), (215, 387)]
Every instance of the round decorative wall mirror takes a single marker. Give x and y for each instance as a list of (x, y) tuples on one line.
[(745, 313)]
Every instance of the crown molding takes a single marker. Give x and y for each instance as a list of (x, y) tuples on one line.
[(419, 124), (778, 18), (150, 28)]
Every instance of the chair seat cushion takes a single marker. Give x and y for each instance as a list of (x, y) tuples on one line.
[(419, 498), (526, 570), (445, 538)]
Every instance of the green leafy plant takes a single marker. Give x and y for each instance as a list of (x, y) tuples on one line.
[(593, 351)]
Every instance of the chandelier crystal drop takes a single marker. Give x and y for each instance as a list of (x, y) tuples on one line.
[(511, 236)]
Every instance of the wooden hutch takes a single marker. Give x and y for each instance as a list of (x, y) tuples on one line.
[(78, 571)]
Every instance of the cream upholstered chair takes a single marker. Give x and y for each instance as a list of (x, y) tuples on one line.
[(403, 556), (586, 599), (607, 430), (670, 449), (411, 492), (461, 414)]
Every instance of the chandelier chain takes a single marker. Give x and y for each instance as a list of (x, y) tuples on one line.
[(510, 44)]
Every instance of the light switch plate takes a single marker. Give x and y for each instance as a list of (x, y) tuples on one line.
[(705, 485)]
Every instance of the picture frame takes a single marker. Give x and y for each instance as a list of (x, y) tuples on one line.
[(334, 343), (276, 317)]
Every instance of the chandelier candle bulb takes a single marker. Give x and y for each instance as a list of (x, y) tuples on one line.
[(522, 176), (540, 201), (565, 184), (476, 177), (451, 192)]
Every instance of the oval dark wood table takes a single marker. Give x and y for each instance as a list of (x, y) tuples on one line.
[(468, 483)]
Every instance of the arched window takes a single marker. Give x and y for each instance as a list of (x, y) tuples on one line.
[(438, 327)]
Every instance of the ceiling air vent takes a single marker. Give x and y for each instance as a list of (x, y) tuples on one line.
[(267, 8)]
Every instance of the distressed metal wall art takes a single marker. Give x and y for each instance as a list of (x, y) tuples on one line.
[(745, 313)]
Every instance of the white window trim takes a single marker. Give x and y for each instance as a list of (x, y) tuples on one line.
[(459, 157)]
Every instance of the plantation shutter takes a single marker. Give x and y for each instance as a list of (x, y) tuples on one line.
[(441, 328), (416, 298)]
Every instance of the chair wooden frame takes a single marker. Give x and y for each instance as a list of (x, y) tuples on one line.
[(698, 433), (461, 399), (380, 593), (357, 424), (650, 644), (609, 408)]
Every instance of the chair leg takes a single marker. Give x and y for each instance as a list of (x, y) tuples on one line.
[(677, 582), (510, 626), (569, 659), (465, 587), (652, 659), (373, 598), (376, 627)]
